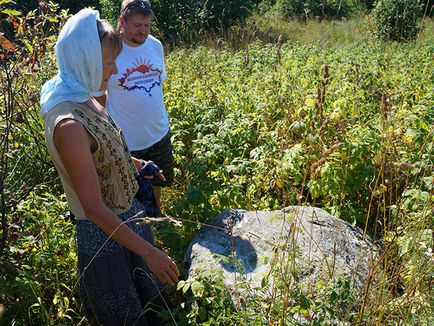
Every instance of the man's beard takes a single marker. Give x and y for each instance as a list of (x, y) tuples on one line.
[(138, 41)]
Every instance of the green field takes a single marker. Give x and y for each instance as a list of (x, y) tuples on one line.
[(336, 120)]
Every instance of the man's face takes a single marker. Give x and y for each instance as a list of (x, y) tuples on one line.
[(136, 29)]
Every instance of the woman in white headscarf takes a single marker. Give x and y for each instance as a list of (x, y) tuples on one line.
[(120, 270)]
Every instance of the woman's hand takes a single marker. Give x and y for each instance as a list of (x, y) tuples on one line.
[(162, 266)]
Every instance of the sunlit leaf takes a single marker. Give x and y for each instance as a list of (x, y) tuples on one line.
[(196, 286), (180, 285), (28, 46), (11, 12)]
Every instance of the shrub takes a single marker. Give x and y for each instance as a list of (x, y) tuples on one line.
[(367, 4), (37, 246), (310, 9), (184, 19), (397, 20), (110, 10)]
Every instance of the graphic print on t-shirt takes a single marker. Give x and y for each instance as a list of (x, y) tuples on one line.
[(143, 76)]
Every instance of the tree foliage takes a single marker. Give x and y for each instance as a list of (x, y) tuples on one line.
[(305, 9), (398, 20), (73, 6), (184, 20)]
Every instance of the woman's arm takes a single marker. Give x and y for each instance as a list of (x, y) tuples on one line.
[(73, 144)]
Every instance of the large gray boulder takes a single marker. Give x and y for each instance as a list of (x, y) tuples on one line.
[(312, 244)]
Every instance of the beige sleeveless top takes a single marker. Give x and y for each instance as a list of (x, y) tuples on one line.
[(114, 167)]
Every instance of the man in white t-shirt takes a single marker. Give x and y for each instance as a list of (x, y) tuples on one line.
[(135, 94)]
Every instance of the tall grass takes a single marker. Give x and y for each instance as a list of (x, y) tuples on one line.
[(333, 33), (271, 28)]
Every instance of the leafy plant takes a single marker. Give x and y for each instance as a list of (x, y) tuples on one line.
[(335, 127), (36, 276), (39, 277), (208, 301), (21, 73)]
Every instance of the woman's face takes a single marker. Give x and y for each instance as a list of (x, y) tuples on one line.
[(108, 63)]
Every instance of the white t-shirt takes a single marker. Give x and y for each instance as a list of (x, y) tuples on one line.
[(135, 94)]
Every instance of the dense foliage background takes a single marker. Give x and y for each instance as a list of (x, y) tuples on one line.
[(270, 106)]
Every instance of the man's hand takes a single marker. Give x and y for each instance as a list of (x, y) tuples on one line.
[(158, 174), (149, 169)]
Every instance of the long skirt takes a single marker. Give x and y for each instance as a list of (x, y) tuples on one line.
[(116, 285)]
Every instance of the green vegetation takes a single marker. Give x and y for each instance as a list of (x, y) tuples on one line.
[(303, 10), (398, 20), (324, 115), (187, 20), (346, 128)]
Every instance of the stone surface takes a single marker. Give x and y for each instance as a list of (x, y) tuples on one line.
[(317, 246)]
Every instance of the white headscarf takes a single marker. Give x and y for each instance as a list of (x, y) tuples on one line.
[(79, 61)]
